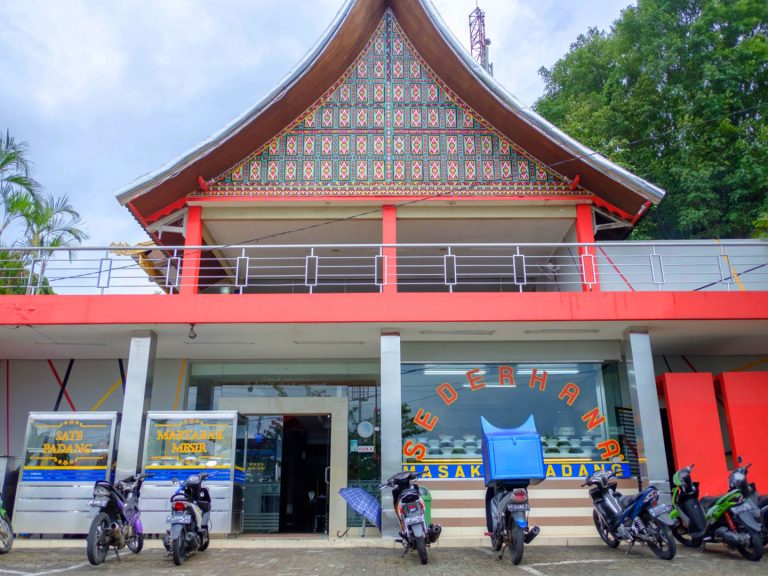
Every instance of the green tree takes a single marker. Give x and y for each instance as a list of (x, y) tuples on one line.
[(18, 191), (677, 92)]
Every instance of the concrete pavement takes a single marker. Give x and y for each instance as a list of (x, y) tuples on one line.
[(30, 558)]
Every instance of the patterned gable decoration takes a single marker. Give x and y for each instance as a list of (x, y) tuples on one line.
[(390, 127)]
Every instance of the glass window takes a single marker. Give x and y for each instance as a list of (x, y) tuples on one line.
[(451, 398), (68, 443), (189, 443)]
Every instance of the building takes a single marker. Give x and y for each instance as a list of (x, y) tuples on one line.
[(383, 249)]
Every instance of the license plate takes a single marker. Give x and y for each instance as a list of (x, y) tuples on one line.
[(178, 519), (657, 511), (97, 503), (518, 507), (414, 519), (746, 506)]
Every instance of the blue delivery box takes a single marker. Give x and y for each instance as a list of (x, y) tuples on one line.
[(512, 453)]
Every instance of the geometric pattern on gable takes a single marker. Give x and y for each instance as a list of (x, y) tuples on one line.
[(390, 127)]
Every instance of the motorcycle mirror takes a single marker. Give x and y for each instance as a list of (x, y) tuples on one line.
[(740, 460)]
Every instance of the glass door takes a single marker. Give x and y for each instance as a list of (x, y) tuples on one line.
[(263, 477)]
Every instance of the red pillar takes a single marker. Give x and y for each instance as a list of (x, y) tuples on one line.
[(745, 399), (190, 267), (389, 236), (694, 427), (587, 255)]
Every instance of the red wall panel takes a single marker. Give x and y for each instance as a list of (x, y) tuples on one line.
[(694, 426), (745, 396)]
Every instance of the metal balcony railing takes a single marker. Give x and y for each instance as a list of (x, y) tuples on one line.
[(534, 267)]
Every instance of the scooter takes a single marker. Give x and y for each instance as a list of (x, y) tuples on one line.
[(632, 518), (506, 514), (6, 531), (189, 519), (691, 525), (409, 507), (117, 523), (734, 517)]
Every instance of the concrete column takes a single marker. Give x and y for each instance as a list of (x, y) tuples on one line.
[(138, 391), (391, 427), (645, 407)]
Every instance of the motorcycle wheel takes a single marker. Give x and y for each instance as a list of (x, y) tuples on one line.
[(754, 550), (136, 543), (516, 541), (97, 544), (179, 548), (681, 535), (205, 541), (602, 529), (664, 547), (6, 535), (496, 543), (421, 548)]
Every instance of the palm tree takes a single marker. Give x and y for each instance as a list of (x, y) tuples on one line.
[(18, 191), (49, 223)]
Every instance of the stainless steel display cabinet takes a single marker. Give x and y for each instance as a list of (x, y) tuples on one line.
[(179, 444)]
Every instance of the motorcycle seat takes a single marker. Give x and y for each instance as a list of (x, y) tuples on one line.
[(708, 501), (628, 500)]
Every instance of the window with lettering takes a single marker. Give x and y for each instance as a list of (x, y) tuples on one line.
[(68, 443), (191, 442), (442, 405)]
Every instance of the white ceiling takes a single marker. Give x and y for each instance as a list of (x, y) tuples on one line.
[(360, 340)]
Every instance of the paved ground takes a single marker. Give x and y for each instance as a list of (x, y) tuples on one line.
[(538, 561)]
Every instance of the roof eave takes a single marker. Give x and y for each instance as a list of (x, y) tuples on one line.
[(174, 167), (584, 154)]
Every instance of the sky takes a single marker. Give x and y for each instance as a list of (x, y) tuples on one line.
[(105, 92)]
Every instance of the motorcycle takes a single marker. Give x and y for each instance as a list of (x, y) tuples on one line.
[(189, 519), (506, 514), (117, 523), (734, 517), (6, 531), (409, 508), (691, 524), (632, 518)]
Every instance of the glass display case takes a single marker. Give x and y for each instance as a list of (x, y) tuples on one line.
[(179, 444), (64, 454)]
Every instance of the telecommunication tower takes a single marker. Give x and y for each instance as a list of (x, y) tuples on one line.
[(478, 42)]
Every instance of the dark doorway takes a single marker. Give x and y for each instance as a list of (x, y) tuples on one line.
[(288, 463), (306, 458)]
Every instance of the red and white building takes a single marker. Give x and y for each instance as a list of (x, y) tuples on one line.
[(383, 249)]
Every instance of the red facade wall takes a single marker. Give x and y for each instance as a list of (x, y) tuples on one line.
[(745, 396), (694, 426)]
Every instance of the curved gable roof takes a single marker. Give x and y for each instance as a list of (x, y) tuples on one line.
[(327, 61)]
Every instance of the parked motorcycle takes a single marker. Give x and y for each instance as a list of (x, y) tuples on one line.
[(189, 519), (632, 518), (409, 507), (117, 523), (6, 531), (734, 517), (691, 524), (506, 513)]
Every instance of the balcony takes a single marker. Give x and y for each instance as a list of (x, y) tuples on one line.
[(369, 268)]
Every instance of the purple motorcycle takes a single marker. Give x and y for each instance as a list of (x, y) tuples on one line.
[(117, 523)]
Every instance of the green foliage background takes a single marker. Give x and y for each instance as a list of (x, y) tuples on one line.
[(677, 93)]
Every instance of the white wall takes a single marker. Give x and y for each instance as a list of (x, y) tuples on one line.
[(32, 386)]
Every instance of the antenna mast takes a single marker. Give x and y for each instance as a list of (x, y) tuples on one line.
[(478, 42)]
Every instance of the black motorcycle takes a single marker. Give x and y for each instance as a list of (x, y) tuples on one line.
[(409, 507), (189, 519), (632, 518), (117, 523), (506, 515)]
